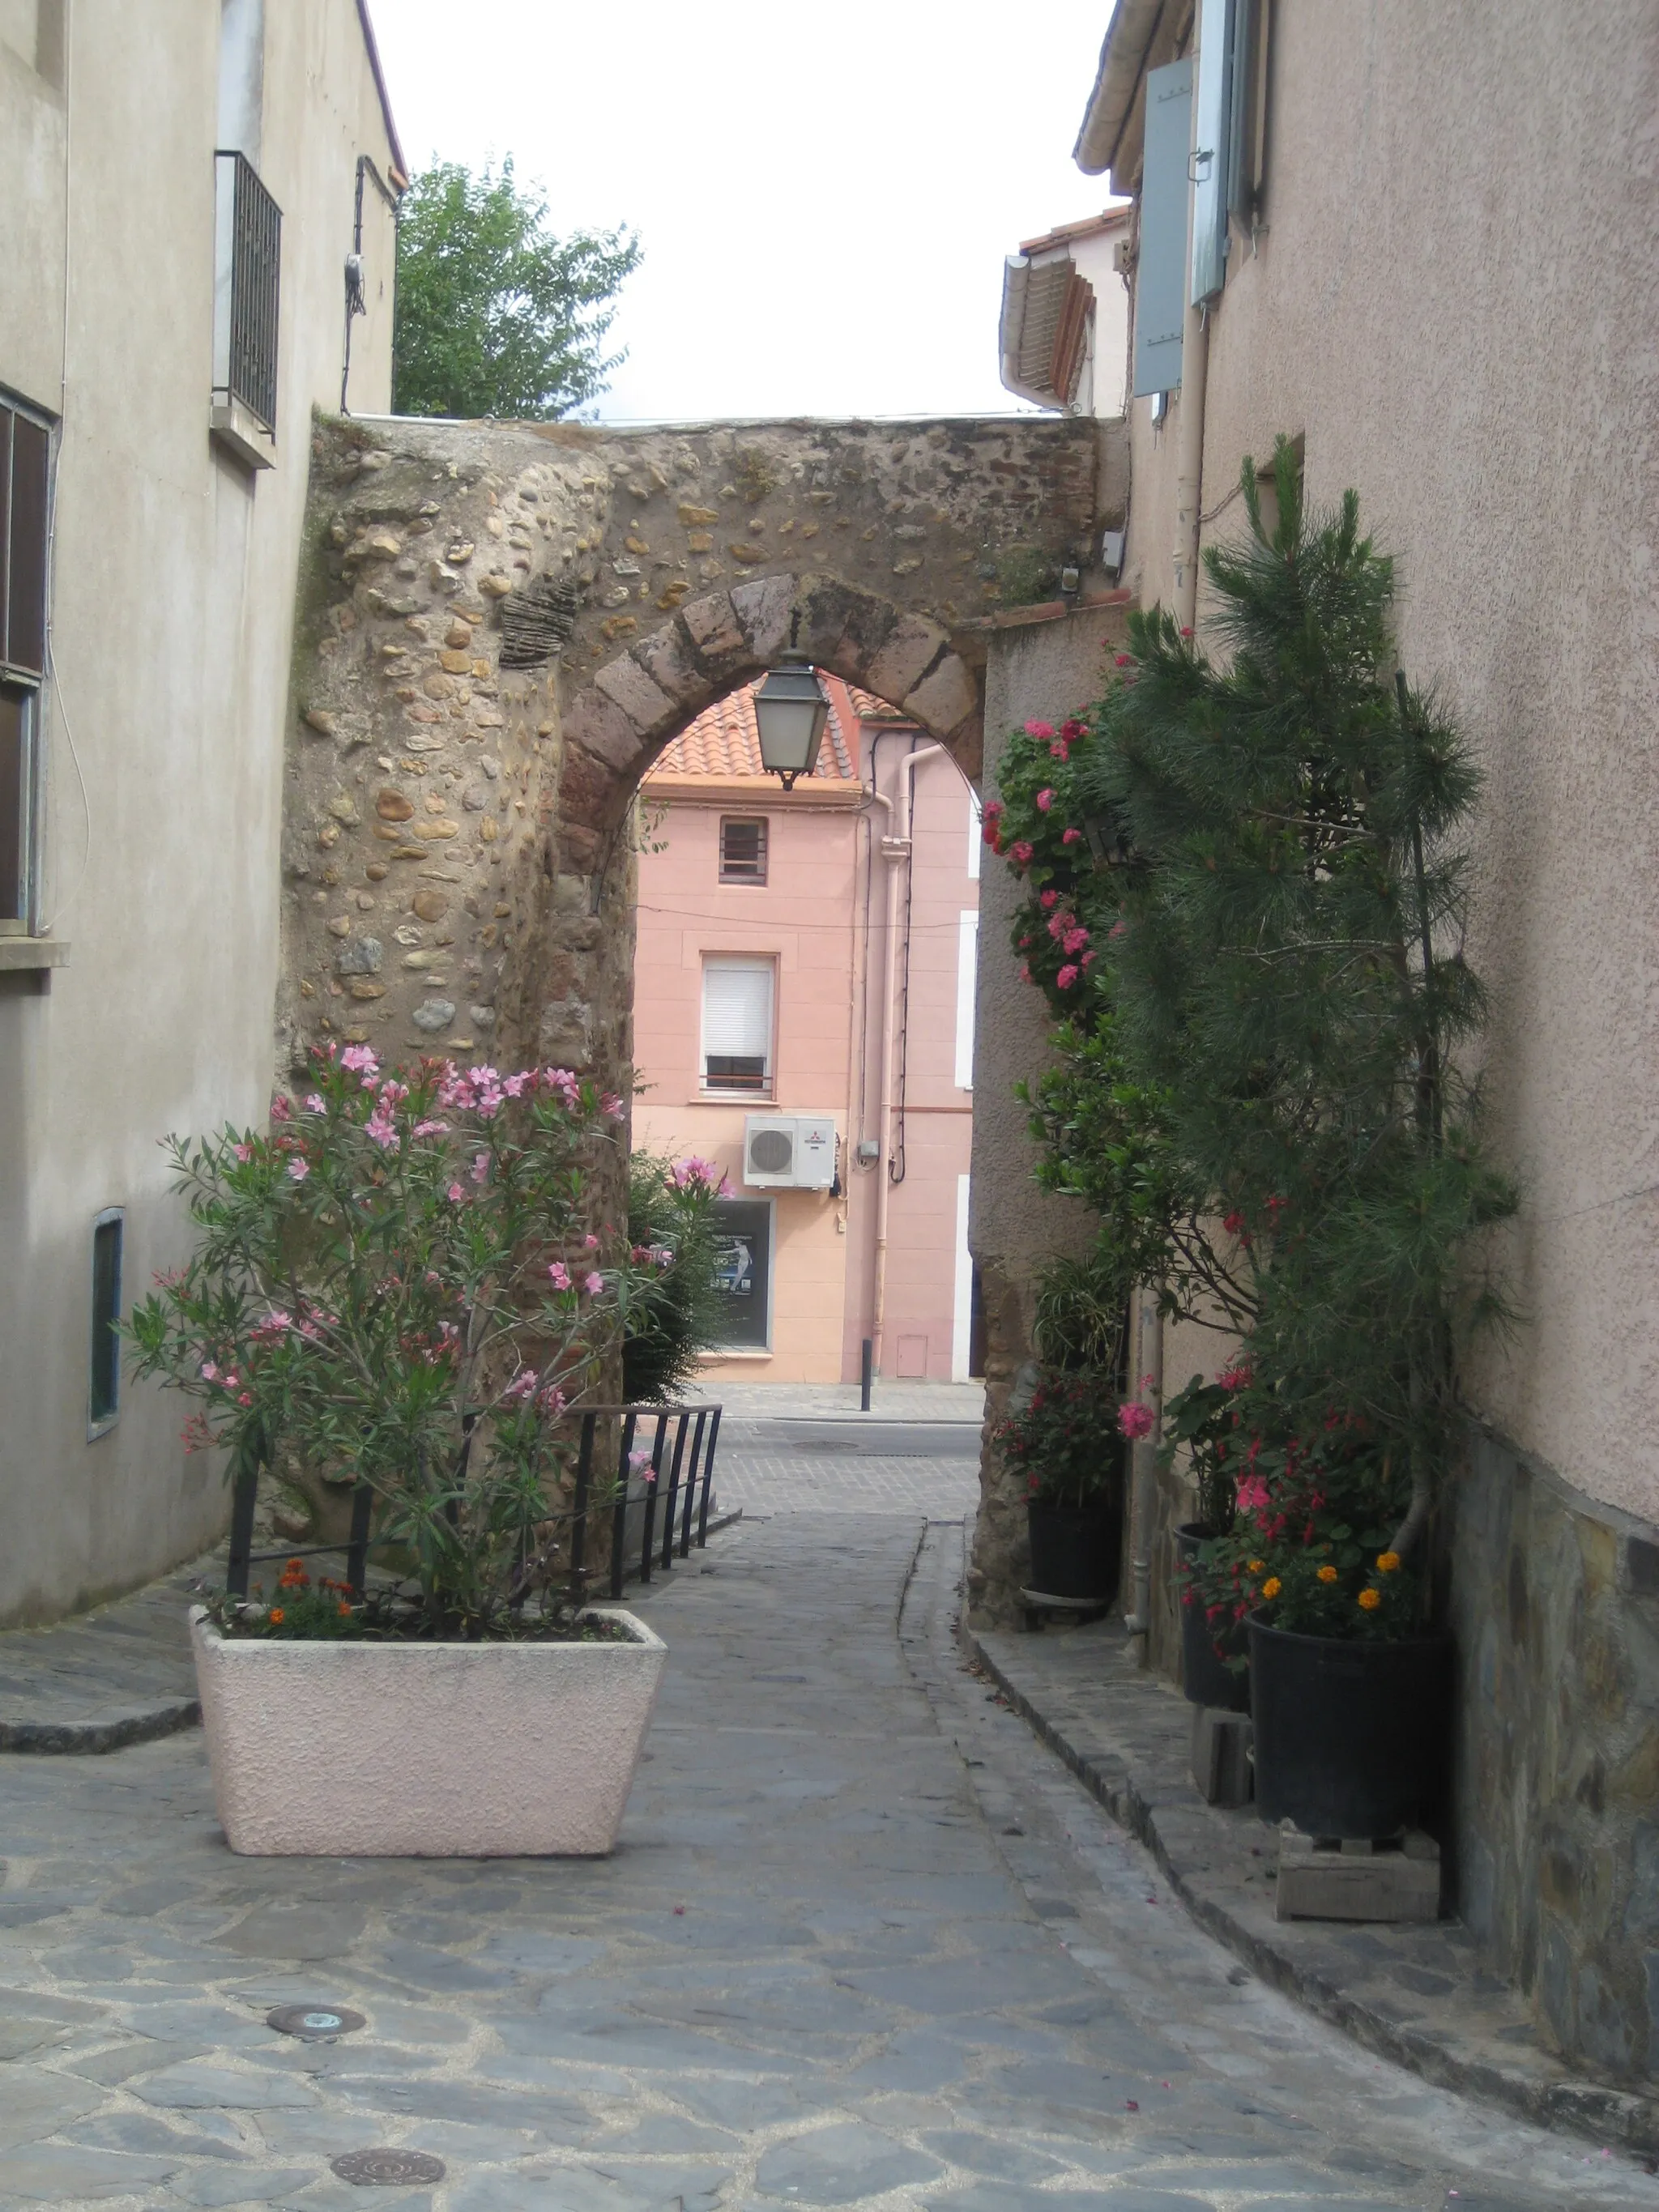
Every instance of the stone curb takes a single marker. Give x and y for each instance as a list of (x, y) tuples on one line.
[(140, 1725), (1186, 1841)]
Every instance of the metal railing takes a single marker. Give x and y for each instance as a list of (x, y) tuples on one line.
[(673, 1490), (248, 283)]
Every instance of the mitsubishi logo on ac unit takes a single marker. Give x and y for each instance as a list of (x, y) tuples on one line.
[(789, 1152)]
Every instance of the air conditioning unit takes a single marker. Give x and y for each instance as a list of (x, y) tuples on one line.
[(789, 1152)]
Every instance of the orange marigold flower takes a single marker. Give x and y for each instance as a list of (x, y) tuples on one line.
[(1371, 1599), (275, 1616), (345, 1608), (297, 1567), (1388, 1562), (1328, 1574), (1255, 1566), (1272, 1587)]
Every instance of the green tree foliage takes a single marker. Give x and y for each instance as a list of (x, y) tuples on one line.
[(1246, 895), (496, 315)]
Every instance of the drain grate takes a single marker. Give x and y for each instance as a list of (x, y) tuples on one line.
[(314, 2023), (372, 2169)]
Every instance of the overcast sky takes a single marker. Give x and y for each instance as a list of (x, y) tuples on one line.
[(824, 194)]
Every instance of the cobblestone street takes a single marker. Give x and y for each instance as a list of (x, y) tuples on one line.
[(865, 1942)]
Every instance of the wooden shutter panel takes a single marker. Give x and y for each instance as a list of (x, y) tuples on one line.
[(26, 564), (1161, 265)]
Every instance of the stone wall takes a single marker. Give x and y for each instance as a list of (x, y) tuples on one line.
[(1554, 1602), (500, 626)]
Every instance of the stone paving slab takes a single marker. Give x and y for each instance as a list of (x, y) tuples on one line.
[(864, 1942), (116, 1676), (1416, 1994)]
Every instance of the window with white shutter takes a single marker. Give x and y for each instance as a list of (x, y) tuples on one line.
[(737, 1023)]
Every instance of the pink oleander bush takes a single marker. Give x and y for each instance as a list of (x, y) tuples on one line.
[(397, 1282)]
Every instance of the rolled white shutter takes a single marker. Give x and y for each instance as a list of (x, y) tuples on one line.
[(737, 1009)]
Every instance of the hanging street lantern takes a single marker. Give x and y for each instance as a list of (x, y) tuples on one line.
[(791, 711)]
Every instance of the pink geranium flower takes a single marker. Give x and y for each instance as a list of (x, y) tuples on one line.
[(1070, 837), (1067, 975), (1134, 1420), (1045, 800), (1039, 729), (1022, 849)]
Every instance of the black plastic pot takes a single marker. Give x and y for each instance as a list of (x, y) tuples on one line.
[(1077, 1551), (1204, 1675), (1351, 1739)]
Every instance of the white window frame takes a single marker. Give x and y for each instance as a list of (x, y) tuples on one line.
[(768, 1087)]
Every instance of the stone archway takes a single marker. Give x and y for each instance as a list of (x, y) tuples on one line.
[(620, 720), (499, 627)]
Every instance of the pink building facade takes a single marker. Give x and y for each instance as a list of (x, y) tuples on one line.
[(803, 1016)]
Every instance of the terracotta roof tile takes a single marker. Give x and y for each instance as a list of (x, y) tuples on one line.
[(724, 742)]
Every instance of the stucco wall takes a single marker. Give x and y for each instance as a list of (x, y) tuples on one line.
[(1475, 359), (1042, 672), (172, 613)]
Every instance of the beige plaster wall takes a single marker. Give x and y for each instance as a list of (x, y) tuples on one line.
[(1453, 298), (1041, 673), (172, 613)]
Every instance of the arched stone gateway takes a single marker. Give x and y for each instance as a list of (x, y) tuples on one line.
[(500, 626)]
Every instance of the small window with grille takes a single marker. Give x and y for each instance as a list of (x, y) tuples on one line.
[(742, 851)]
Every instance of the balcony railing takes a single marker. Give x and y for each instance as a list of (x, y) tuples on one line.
[(248, 244)]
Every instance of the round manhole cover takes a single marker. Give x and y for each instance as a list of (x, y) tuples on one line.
[(313, 2023), (372, 2168)]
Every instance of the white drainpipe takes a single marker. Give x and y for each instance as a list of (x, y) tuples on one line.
[(896, 851)]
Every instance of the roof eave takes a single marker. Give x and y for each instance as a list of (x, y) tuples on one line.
[(1122, 59)]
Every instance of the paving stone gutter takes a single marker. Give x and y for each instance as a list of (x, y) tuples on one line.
[(1416, 1994)]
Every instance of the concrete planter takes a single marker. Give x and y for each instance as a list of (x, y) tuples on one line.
[(425, 1750)]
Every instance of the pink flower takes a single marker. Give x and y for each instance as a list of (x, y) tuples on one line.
[(559, 1275), (1252, 1495), (1039, 729), (359, 1059), (280, 1109), (522, 1386), (1049, 899), (245, 1397), (244, 1153), (1022, 849), (552, 1401), (1060, 750), (1075, 939), (611, 1105), (1134, 1420), (1070, 837), (1067, 975), (210, 1372), (1087, 958), (480, 1166), (315, 1102), (593, 1285), (590, 1242), (380, 1130), (1123, 660), (455, 1194), (299, 1170), (1117, 929), (1024, 971), (432, 1129), (515, 1085), (1045, 800), (991, 809)]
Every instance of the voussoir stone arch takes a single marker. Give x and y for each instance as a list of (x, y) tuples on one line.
[(499, 627), (620, 721)]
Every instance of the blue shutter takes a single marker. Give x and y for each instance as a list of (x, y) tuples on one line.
[(1160, 264), (1210, 162)]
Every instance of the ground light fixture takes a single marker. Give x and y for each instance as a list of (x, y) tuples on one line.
[(791, 711)]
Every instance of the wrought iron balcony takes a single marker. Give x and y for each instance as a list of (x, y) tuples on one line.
[(248, 267)]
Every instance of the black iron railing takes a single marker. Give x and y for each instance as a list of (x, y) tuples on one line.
[(657, 1499), (250, 249)]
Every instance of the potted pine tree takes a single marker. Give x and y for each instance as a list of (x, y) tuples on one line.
[(1289, 967), (396, 1283)]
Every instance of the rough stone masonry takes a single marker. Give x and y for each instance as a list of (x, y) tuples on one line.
[(500, 626)]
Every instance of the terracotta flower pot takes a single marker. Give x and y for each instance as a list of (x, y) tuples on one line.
[(370, 1750)]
